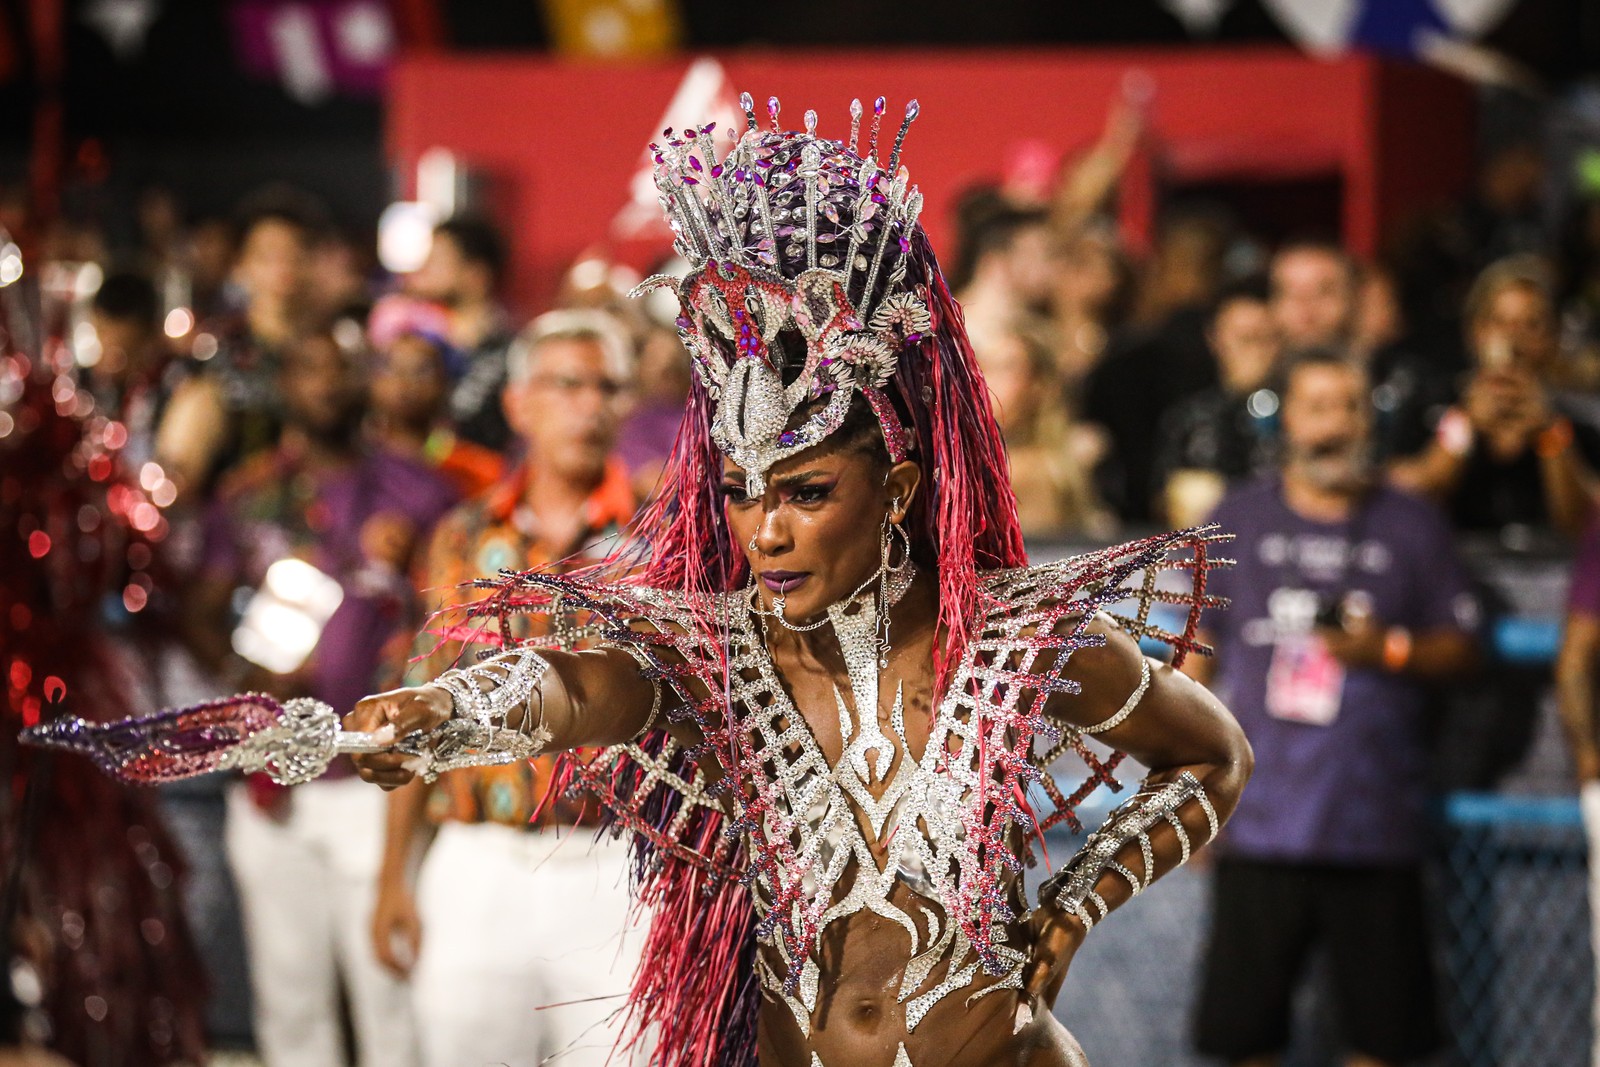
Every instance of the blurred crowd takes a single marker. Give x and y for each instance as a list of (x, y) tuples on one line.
[(1135, 390), (333, 449)]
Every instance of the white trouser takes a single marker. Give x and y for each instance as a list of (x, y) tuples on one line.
[(1589, 801), (307, 885), (527, 951)]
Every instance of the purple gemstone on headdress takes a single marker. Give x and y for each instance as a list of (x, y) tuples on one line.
[(667, 132), (764, 162), (905, 244), (913, 338), (695, 163), (683, 323), (879, 198), (689, 180), (710, 126), (716, 171), (879, 104), (786, 438)]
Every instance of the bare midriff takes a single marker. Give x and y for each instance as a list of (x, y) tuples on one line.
[(859, 1020)]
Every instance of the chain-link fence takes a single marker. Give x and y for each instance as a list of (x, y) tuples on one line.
[(1519, 973)]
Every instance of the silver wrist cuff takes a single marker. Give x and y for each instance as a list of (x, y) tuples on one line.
[(482, 697)]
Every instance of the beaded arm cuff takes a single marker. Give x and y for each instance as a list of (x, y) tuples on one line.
[(1073, 888), (482, 697), (1127, 708)]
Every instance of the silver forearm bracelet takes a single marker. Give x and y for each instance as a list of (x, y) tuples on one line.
[(482, 697), (1073, 888), (650, 671)]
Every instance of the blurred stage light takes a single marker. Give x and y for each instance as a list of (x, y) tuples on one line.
[(405, 233), (284, 618), (89, 278), (10, 264), (179, 322), (441, 182), (86, 350)]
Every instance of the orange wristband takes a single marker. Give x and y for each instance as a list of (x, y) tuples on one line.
[(1396, 649), (1556, 439)]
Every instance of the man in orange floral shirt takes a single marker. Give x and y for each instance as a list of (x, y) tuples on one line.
[(536, 981)]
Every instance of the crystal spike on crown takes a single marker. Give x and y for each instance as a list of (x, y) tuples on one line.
[(792, 232)]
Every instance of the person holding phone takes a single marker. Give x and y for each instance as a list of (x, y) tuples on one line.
[(1514, 448)]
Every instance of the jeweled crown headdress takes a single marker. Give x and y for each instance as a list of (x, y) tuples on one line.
[(792, 232)]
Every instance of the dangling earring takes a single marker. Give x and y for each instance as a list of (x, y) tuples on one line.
[(753, 538), (893, 579)]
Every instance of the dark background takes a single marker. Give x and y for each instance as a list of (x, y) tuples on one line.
[(181, 114)]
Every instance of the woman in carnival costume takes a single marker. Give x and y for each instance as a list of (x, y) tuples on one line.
[(830, 683)]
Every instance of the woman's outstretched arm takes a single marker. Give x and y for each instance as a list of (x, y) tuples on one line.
[(579, 699), (1199, 762)]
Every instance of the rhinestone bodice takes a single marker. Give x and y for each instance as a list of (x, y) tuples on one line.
[(849, 831)]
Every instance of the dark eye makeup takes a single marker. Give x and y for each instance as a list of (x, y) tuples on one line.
[(811, 493)]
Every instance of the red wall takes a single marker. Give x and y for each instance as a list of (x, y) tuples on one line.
[(560, 140)]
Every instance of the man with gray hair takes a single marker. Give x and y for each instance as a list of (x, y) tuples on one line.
[(537, 982)]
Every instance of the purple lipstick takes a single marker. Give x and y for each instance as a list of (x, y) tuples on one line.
[(783, 581)]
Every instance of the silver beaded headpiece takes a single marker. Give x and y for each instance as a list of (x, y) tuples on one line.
[(792, 232)]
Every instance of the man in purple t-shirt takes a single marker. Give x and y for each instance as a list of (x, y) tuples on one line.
[(1347, 600), (347, 519)]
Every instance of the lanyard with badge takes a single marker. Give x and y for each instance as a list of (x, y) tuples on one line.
[(1305, 682)]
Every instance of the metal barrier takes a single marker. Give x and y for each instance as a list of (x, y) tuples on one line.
[(1519, 972)]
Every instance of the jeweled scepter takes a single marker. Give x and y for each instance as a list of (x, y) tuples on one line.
[(292, 742)]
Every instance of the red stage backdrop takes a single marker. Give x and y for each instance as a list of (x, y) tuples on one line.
[(562, 143)]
